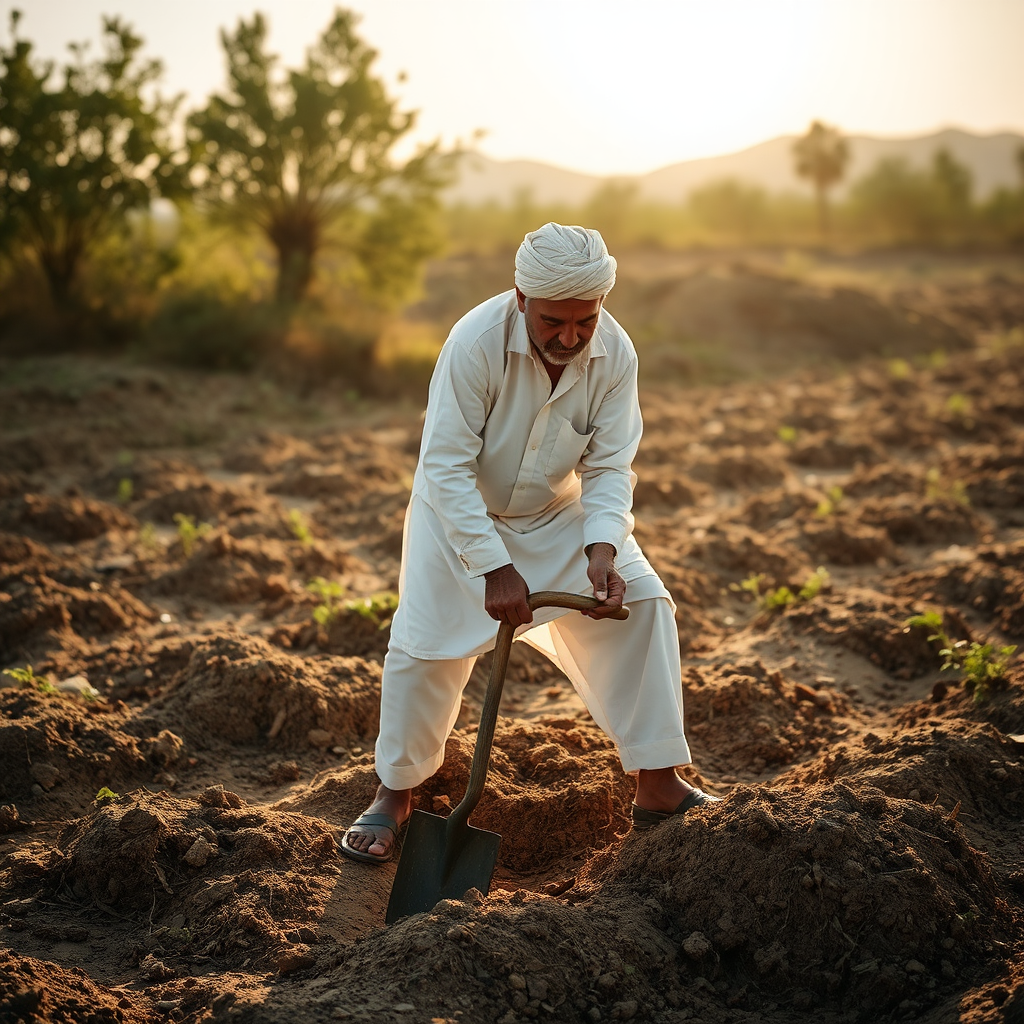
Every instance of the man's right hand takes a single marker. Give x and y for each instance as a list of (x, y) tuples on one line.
[(505, 598)]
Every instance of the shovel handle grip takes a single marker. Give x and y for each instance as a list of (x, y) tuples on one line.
[(492, 698)]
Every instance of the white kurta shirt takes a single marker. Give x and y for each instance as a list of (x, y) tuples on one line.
[(512, 470)]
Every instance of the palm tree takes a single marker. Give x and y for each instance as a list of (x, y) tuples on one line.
[(821, 155)]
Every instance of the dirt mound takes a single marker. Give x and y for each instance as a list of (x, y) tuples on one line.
[(268, 452), (874, 626), (57, 751), (834, 898), (746, 716), (839, 541), (832, 895), (989, 581), (735, 552), (35, 990), (942, 765), (241, 690), (826, 451), (68, 519), (205, 501), (212, 874), (37, 612), (916, 520)]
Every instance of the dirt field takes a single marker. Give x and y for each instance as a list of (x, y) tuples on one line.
[(866, 864)]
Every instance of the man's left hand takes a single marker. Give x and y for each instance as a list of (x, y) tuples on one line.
[(609, 586)]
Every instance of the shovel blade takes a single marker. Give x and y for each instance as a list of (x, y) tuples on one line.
[(435, 866)]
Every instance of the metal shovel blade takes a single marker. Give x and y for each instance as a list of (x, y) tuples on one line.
[(436, 866)]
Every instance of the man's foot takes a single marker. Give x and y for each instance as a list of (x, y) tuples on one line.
[(371, 837), (661, 793)]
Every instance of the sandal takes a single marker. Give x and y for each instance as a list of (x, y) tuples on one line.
[(644, 819), (371, 823)]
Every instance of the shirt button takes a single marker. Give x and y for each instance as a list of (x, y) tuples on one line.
[(522, 487), (533, 448)]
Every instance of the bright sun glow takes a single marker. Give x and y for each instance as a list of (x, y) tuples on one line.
[(610, 86)]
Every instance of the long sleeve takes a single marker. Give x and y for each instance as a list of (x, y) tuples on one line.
[(459, 403), (606, 476)]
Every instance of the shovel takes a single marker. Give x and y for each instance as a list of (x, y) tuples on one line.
[(442, 858)]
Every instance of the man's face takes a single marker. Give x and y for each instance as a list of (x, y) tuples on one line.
[(559, 329)]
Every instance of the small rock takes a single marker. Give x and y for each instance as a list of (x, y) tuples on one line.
[(696, 946), (516, 982), (537, 988), (199, 853), (295, 958), (166, 1005), (403, 1008), (10, 820), (594, 1013), (320, 738), (916, 967), (626, 1010), (218, 796), (802, 692), (165, 748), (999, 773), (948, 971), (939, 691), (45, 774)]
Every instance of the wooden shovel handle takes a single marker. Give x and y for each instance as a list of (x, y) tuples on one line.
[(492, 698)]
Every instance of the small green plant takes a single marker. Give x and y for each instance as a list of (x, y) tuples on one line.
[(787, 434), (379, 609), (27, 677), (125, 490), (105, 795), (300, 528), (829, 505), (329, 593), (936, 489), (899, 369), (147, 538), (981, 665), (814, 583), (778, 598), (958, 405), (189, 533)]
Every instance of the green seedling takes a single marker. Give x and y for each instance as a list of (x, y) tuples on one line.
[(829, 505), (899, 369), (300, 528), (379, 609), (125, 490), (958, 405), (27, 678), (147, 538), (189, 533), (814, 583), (787, 434), (330, 593), (937, 489), (981, 665), (778, 598), (105, 795)]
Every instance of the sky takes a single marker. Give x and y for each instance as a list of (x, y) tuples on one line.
[(618, 86)]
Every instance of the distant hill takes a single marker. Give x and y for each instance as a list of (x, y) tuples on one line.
[(991, 159)]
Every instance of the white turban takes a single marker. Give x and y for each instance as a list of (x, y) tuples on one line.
[(559, 262)]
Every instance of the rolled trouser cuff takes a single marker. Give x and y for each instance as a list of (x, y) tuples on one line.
[(659, 754), (406, 776)]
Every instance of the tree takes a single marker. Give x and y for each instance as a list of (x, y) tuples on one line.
[(821, 156), (76, 156), (306, 157), (730, 207)]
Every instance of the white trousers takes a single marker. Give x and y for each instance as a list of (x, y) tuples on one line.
[(627, 674)]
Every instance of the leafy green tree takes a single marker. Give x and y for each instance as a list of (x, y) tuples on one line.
[(898, 202), (76, 154), (306, 158), (821, 156), (953, 184)]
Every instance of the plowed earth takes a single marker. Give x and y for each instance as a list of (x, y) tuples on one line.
[(865, 864)]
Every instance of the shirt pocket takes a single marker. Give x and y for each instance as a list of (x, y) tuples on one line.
[(566, 453)]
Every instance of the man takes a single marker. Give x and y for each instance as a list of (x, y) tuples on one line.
[(524, 483)]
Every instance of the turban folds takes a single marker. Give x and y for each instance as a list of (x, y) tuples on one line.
[(559, 262)]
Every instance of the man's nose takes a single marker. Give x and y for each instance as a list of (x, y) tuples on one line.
[(567, 336)]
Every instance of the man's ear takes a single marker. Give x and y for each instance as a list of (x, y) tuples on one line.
[(521, 298)]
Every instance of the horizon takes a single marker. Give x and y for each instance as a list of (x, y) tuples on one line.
[(672, 82)]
